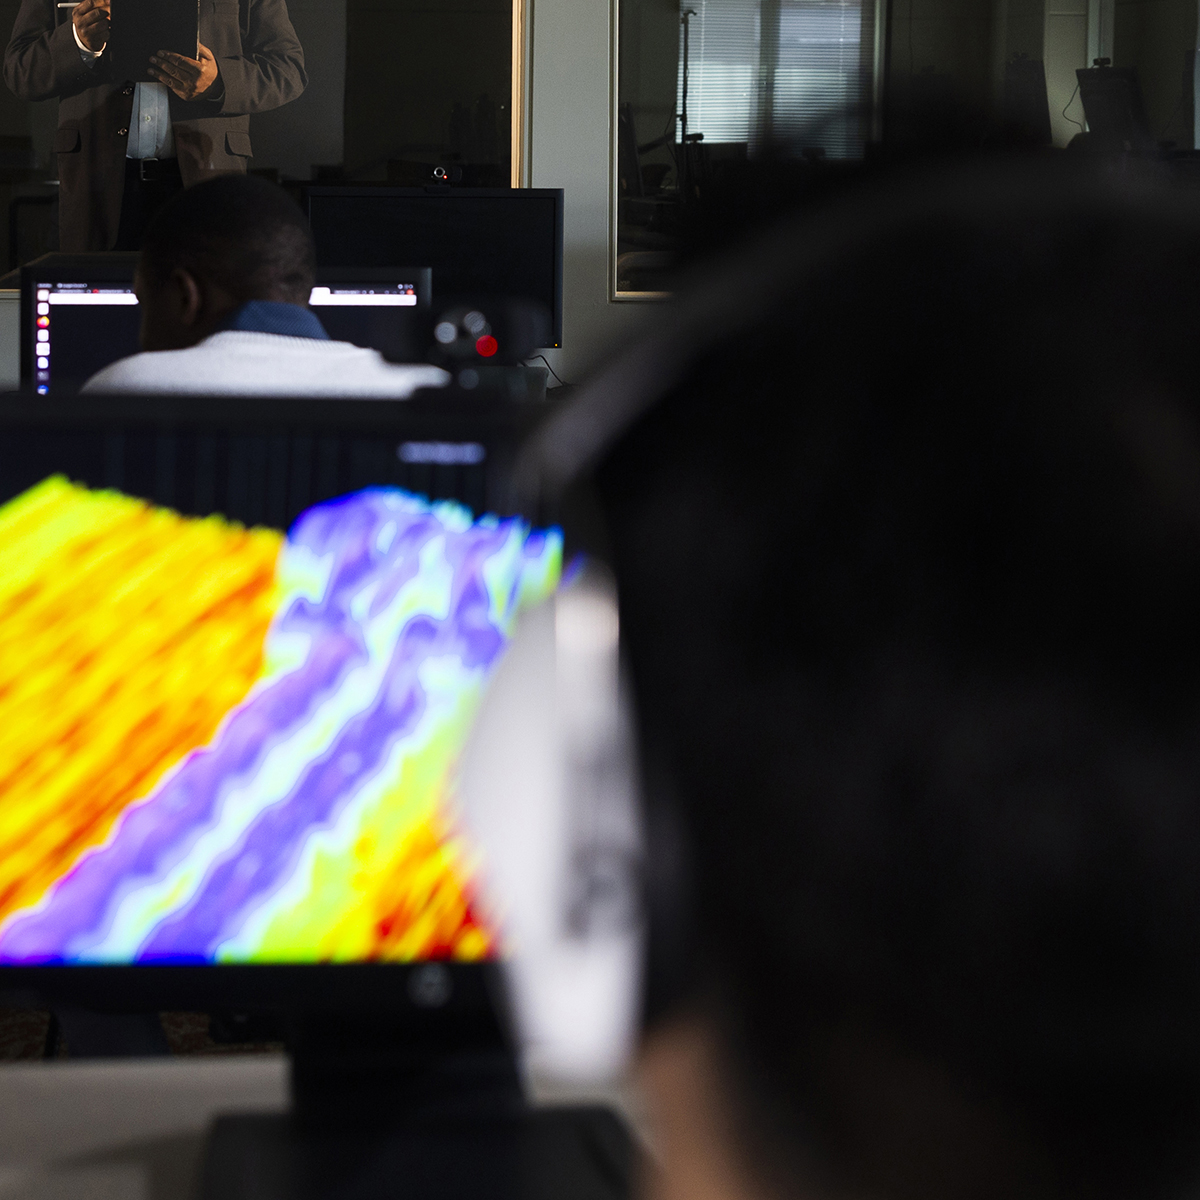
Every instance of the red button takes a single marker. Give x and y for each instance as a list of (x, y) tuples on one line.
[(486, 346)]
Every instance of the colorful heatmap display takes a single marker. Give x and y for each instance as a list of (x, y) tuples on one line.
[(227, 745)]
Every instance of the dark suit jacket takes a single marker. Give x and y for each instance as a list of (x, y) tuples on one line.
[(260, 65)]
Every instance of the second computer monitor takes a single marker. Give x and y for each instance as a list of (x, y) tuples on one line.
[(375, 307)]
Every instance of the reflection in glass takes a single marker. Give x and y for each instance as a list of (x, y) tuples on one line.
[(428, 85), (703, 86), (410, 92), (794, 82)]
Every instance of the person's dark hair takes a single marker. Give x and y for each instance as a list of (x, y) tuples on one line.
[(909, 566), (241, 232)]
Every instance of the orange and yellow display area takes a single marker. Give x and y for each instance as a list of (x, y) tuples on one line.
[(230, 745)]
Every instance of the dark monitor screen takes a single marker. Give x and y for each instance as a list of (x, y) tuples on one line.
[(78, 315), (479, 241), (241, 647), (1113, 106), (81, 328), (375, 307)]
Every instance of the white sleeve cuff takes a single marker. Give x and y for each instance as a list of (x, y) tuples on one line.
[(88, 56)]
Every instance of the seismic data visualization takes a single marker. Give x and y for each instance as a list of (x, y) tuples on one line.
[(221, 744)]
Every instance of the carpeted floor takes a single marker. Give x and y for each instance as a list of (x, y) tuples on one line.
[(23, 1036)]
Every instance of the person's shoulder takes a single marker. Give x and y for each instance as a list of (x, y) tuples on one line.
[(155, 370), (366, 355), (257, 363), (367, 367), (363, 371)]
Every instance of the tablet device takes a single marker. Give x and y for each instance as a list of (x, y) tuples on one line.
[(140, 28)]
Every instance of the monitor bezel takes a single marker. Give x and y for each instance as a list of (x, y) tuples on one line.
[(457, 410), (447, 192), (296, 987), (240, 987)]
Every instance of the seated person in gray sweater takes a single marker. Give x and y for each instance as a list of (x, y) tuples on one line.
[(223, 281)]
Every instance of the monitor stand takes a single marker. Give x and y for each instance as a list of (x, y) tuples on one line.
[(431, 1109)]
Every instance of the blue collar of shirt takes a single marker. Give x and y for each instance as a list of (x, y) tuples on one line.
[(272, 316)]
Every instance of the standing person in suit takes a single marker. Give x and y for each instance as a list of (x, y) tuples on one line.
[(125, 148)]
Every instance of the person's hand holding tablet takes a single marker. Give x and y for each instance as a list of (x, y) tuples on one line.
[(188, 78)]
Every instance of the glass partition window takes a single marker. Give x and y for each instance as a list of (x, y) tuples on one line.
[(704, 84), (402, 92)]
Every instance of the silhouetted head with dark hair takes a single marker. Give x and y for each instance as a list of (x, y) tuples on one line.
[(214, 247), (909, 563)]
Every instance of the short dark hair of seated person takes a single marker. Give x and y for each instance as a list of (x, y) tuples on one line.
[(909, 569), (215, 247)]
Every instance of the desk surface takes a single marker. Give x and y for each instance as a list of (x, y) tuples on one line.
[(122, 1130), (134, 1129)]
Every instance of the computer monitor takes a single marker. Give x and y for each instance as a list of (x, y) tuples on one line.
[(480, 242), (242, 643), (377, 307), (79, 313)]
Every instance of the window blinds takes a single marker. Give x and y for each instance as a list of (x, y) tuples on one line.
[(724, 48), (788, 69)]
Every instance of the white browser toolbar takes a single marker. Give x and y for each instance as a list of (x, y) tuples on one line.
[(325, 297)]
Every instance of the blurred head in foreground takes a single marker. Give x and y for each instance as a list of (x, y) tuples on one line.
[(908, 550)]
